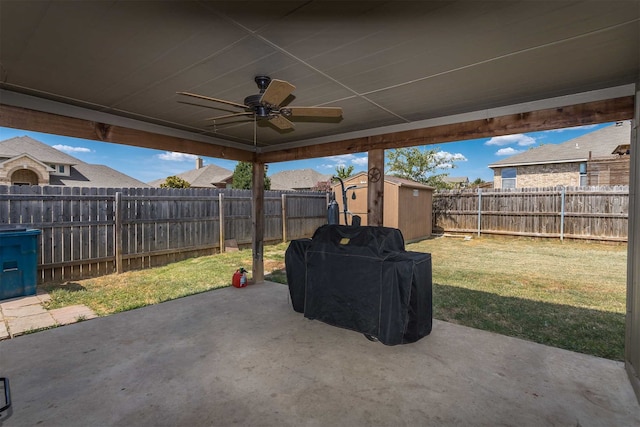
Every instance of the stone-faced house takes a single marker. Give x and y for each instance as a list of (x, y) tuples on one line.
[(25, 161), (209, 176), (597, 158)]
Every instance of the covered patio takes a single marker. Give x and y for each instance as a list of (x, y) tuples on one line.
[(405, 74), (244, 357)]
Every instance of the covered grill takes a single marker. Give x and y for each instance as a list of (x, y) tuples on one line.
[(361, 278)]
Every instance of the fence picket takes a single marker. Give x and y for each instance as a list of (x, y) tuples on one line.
[(597, 213), (91, 232)]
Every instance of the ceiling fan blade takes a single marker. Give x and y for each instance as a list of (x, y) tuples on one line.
[(312, 111), (281, 123), (208, 98), (226, 116), (276, 92)]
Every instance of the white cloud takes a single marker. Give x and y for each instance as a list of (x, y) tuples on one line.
[(448, 159), (172, 156), (509, 151), (519, 139), (360, 161), (344, 160), (70, 149)]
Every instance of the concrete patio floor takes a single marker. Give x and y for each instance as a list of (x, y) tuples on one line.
[(244, 357)]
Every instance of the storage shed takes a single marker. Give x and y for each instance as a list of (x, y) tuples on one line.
[(407, 204)]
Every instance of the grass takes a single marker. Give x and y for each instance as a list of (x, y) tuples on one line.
[(565, 294), (121, 292), (570, 295)]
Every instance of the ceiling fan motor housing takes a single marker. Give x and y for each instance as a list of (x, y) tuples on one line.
[(253, 103)]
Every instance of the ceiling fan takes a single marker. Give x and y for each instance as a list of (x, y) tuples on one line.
[(266, 104)]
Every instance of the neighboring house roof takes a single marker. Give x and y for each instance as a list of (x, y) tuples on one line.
[(81, 174), (23, 144), (87, 175), (204, 177), (456, 179), (601, 143), (298, 179)]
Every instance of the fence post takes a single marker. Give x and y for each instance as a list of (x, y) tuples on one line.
[(221, 220), (479, 209), (117, 232), (562, 196), (284, 218)]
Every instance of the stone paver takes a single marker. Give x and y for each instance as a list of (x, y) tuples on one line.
[(4, 333), (20, 325), (19, 302), (24, 311), (72, 314), (20, 315)]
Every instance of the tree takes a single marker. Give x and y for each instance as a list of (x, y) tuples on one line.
[(478, 182), (324, 186), (343, 171), (243, 176), (421, 165), (175, 182)]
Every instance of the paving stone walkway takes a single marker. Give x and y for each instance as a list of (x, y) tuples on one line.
[(21, 315)]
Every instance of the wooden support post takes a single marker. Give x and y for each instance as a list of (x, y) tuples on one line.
[(284, 218), (257, 220), (375, 192), (117, 232), (632, 327), (221, 220)]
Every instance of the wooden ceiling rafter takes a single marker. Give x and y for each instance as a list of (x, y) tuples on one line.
[(594, 112)]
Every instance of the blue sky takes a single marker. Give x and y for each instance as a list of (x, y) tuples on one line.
[(473, 156)]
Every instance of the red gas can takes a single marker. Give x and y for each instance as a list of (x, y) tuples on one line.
[(239, 279)]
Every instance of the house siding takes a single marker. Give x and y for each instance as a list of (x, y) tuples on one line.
[(613, 171)]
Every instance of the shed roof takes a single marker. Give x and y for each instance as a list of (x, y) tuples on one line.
[(394, 180)]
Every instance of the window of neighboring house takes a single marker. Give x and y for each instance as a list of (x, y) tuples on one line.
[(61, 168), (583, 175), (508, 177)]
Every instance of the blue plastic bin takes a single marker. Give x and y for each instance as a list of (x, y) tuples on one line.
[(18, 261)]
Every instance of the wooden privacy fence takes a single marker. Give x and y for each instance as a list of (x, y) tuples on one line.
[(88, 232), (597, 213)]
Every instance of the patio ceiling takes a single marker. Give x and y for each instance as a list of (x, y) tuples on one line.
[(392, 66)]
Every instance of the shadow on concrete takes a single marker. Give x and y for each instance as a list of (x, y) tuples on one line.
[(584, 330), (595, 332)]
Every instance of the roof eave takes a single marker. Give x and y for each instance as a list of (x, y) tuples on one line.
[(506, 165)]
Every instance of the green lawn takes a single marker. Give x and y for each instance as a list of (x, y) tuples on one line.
[(569, 295)]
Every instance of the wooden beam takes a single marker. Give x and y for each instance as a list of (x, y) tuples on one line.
[(257, 221), (38, 121), (375, 188), (609, 110)]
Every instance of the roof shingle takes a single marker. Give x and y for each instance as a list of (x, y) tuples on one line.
[(600, 143)]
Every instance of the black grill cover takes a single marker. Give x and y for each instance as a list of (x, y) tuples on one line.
[(294, 260), (361, 278)]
